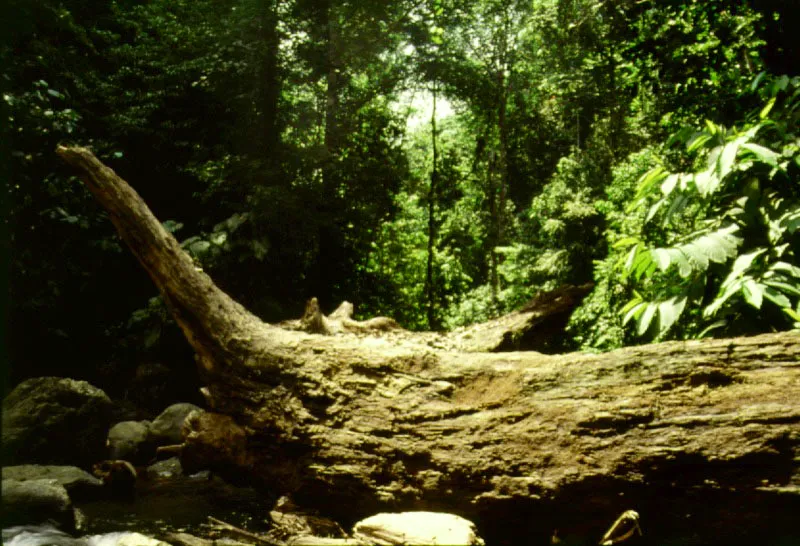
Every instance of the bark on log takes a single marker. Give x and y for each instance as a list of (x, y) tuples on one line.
[(702, 438)]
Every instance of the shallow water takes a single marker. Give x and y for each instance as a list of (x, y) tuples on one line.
[(178, 505)]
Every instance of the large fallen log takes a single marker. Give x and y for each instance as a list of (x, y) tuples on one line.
[(702, 438)]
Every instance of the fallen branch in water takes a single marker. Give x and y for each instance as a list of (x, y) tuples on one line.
[(258, 539)]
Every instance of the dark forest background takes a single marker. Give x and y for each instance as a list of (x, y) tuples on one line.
[(650, 147)]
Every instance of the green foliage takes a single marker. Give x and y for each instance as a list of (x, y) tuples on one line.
[(596, 324), (732, 229), (270, 134), (398, 256)]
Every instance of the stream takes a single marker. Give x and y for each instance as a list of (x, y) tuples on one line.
[(159, 507), (180, 504)]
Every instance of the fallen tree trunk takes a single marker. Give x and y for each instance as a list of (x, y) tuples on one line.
[(702, 438)]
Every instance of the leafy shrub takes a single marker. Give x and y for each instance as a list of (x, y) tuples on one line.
[(732, 251)]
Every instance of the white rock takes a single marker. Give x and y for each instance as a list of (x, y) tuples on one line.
[(124, 538), (412, 528)]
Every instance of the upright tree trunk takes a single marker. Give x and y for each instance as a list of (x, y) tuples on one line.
[(702, 438), (499, 202), (270, 85), (328, 232), (430, 289)]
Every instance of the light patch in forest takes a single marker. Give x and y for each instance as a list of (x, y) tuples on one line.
[(417, 105)]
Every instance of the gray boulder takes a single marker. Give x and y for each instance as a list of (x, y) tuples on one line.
[(129, 440), (168, 468), (36, 501), (166, 428), (78, 483), (55, 420)]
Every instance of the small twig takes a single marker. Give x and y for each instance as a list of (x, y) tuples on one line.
[(259, 539), (171, 449)]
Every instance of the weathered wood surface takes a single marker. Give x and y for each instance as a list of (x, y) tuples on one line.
[(702, 438)]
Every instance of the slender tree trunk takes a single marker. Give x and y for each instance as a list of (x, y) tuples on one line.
[(430, 289), (270, 85), (499, 204), (702, 438), (322, 276)]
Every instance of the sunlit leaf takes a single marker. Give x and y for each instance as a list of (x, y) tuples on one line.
[(662, 258), (646, 318), (706, 181), (786, 288), (744, 261), (768, 107), (753, 293), (765, 155), (669, 311), (698, 141), (624, 242), (786, 268), (634, 311), (669, 184), (727, 158), (776, 297)]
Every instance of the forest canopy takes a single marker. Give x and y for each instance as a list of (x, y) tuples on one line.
[(441, 162)]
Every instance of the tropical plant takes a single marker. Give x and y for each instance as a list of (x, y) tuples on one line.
[(731, 228)]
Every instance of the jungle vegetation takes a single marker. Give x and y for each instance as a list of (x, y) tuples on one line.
[(437, 161)]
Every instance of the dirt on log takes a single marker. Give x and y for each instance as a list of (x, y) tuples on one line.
[(702, 438)]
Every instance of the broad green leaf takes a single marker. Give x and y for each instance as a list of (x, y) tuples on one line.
[(653, 210), (199, 247), (683, 135), (648, 181), (631, 259), (669, 184), (792, 270), (786, 288), (728, 157), (717, 247), (790, 221), (679, 258), (765, 111), (724, 296), (646, 318), (794, 315), (713, 326), (637, 298), (757, 80), (643, 265), (662, 258), (626, 241), (744, 261), (669, 311), (677, 206), (706, 181), (698, 141), (765, 155), (634, 311), (696, 255), (776, 297), (753, 293), (713, 158)]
